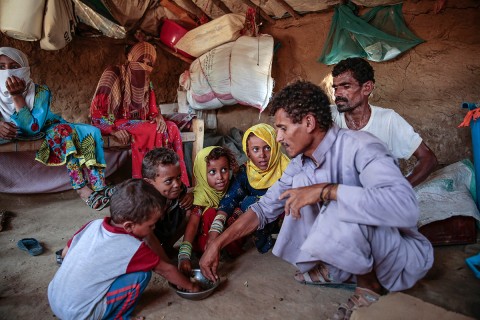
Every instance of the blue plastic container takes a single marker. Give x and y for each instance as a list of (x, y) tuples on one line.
[(475, 131)]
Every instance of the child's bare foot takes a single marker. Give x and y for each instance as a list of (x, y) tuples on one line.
[(140, 318)]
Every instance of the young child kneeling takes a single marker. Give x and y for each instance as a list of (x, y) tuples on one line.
[(161, 168), (107, 265), (212, 168)]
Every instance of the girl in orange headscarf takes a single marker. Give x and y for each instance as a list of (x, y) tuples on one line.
[(124, 106)]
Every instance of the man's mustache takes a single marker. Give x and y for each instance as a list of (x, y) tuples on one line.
[(341, 99)]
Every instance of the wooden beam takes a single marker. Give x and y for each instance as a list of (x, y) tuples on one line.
[(262, 13), (172, 52), (198, 131), (198, 11), (182, 14), (222, 6), (289, 9)]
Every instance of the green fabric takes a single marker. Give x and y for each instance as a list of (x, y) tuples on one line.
[(378, 35)]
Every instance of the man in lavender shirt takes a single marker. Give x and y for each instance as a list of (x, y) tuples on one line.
[(350, 213)]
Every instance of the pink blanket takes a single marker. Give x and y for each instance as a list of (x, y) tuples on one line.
[(21, 173)]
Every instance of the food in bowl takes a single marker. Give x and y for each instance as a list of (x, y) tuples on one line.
[(206, 285)]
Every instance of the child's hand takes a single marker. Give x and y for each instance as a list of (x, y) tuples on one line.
[(195, 287), (185, 267), (187, 201)]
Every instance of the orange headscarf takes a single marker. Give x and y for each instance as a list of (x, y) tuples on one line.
[(123, 91)]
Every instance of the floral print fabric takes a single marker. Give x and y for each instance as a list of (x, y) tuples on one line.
[(74, 145)]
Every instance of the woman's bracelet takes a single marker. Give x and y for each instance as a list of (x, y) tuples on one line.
[(218, 223), (185, 251), (182, 257)]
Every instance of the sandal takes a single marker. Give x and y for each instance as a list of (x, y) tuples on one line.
[(31, 245), (361, 298), (320, 276), (96, 200), (108, 191)]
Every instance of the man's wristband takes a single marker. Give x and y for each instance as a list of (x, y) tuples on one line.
[(322, 196)]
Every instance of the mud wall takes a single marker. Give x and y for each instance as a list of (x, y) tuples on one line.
[(426, 85), (72, 73)]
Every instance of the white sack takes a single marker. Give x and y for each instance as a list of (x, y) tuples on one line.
[(22, 19), (211, 34), (208, 80), (446, 193), (251, 67), (58, 24)]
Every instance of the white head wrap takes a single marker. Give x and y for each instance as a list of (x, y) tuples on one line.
[(7, 107)]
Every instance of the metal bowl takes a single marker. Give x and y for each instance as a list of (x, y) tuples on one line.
[(207, 286)]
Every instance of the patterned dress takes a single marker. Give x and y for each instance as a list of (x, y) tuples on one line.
[(73, 145), (124, 100), (238, 198)]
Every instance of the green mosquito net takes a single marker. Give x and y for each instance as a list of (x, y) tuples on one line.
[(378, 35)]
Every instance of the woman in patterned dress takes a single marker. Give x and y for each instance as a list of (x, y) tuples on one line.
[(124, 106), (25, 111)]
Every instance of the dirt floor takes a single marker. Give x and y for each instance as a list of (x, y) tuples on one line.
[(254, 286)]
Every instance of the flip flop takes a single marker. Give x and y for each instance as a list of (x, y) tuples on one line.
[(96, 200), (31, 245), (474, 264), (362, 297), (320, 276)]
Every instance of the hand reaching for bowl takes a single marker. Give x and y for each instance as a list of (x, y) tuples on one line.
[(195, 287), (185, 266), (171, 273)]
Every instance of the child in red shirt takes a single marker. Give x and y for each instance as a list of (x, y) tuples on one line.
[(108, 262)]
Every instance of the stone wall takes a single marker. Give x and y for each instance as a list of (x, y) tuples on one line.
[(426, 85)]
